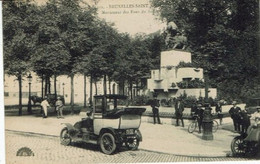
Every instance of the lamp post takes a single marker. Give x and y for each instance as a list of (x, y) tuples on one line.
[(29, 109), (207, 117), (63, 88)]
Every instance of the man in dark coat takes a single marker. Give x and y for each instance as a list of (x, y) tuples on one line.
[(234, 113), (199, 112), (179, 108), (218, 110), (245, 120), (155, 108)]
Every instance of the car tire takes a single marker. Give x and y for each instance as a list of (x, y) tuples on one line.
[(107, 143), (132, 144), (65, 138)]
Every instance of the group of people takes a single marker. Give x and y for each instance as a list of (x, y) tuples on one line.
[(179, 108), (58, 106), (241, 117)]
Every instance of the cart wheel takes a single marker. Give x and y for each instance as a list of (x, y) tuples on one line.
[(192, 127), (65, 137), (132, 144), (107, 143), (214, 126), (237, 146)]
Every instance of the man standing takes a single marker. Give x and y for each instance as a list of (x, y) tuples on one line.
[(199, 112), (155, 108), (59, 107), (45, 106), (234, 113), (179, 108), (218, 110)]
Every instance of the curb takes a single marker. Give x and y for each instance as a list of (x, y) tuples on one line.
[(153, 151)]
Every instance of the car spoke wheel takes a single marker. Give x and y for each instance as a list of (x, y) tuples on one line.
[(237, 146), (107, 143), (65, 138), (192, 127), (132, 144)]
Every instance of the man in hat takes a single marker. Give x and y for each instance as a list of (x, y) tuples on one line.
[(59, 107), (179, 108), (199, 111), (45, 105), (234, 113), (155, 108)]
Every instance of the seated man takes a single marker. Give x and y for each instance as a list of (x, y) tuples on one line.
[(88, 122)]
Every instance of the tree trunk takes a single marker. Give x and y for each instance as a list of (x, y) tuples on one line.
[(42, 86), (105, 85), (55, 86), (131, 89), (85, 90), (109, 84), (72, 93), (91, 91), (49, 85), (20, 94), (96, 86), (46, 86)]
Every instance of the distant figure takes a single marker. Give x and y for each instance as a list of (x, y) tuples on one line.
[(194, 108), (199, 112), (59, 107), (179, 108), (218, 110), (234, 113), (155, 108), (45, 106), (245, 120)]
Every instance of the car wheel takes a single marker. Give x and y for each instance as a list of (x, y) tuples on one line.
[(132, 144), (107, 143), (237, 146), (65, 138)]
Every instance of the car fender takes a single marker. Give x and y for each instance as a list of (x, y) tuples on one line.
[(69, 126)]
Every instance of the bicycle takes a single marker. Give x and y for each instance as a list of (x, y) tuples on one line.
[(194, 124)]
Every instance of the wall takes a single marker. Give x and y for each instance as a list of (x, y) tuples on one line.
[(174, 57)]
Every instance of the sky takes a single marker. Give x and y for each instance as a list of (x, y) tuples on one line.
[(130, 16)]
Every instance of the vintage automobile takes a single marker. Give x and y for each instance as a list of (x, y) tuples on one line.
[(107, 125)]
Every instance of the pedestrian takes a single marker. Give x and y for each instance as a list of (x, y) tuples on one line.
[(194, 108), (234, 113), (218, 110), (179, 108), (245, 120), (45, 105), (199, 112), (155, 108), (59, 107)]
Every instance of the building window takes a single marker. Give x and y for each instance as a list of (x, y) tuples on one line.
[(6, 94)]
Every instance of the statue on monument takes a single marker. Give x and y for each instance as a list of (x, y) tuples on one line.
[(175, 38)]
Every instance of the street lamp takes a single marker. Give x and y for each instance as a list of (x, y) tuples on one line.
[(207, 117), (63, 88), (29, 109)]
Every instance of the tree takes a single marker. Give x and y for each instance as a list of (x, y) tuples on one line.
[(19, 27)]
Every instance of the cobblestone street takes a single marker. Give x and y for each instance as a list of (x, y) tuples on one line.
[(47, 149)]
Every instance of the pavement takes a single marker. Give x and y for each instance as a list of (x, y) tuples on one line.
[(163, 138)]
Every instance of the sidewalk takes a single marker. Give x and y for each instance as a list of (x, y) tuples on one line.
[(164, 138)]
